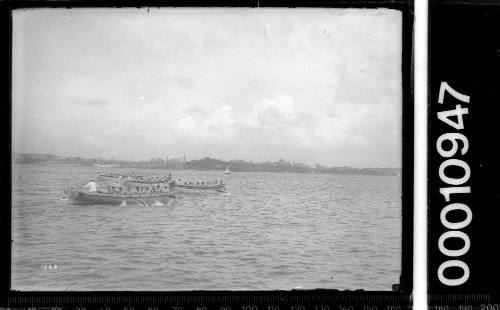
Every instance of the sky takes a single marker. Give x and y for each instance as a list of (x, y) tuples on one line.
[(316, 86)]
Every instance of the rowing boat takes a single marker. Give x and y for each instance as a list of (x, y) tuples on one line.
[(78, 196), (159, 181), (200, 188)]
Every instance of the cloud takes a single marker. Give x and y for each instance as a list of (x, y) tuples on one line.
[(271, 121), (184, 125), (220, 118), (279, 125), (195, 110), (280, 118), (319, 85), (217, 125), (273, 113)]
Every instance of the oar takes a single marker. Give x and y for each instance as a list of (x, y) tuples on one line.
[(143, 203)]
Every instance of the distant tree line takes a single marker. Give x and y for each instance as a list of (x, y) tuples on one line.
[(203, 164)]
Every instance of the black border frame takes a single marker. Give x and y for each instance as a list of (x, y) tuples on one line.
[(464, 51), (403, 289)]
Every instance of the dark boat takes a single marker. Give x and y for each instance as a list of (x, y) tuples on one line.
[(114, 177), (197, 188), (147, 181), (134, 180)]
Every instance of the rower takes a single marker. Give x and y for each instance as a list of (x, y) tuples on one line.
[(91, 186)]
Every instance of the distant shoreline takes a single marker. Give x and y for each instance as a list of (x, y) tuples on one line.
[(204, 164)]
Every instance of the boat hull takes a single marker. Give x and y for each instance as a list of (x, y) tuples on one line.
[(145, 183), (193, 190), (80, 197), (108, 178)]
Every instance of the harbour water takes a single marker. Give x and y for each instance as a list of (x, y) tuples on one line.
[(272, 231)]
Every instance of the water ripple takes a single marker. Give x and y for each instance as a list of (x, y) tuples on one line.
[(273, 231)]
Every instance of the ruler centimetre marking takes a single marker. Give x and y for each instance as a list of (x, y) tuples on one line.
[(301, 301)]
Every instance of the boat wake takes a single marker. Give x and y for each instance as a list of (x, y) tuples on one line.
[(157, 204)]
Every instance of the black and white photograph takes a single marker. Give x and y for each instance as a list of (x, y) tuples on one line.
[(224, 149)]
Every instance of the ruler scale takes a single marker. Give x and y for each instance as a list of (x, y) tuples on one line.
[(216, 302)]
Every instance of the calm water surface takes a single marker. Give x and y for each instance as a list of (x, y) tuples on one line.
[(273, 231)]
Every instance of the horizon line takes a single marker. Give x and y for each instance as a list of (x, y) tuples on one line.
[(207, 157)]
